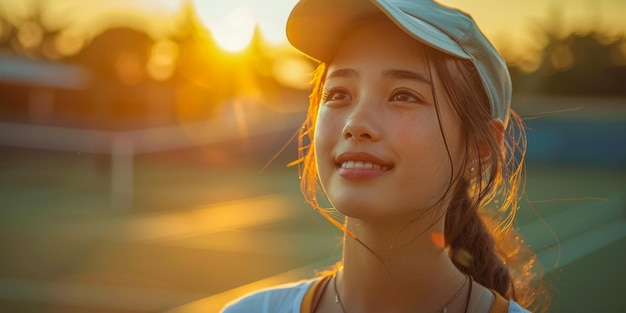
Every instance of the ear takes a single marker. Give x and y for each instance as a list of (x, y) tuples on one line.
[(482, 160), (496, 126)]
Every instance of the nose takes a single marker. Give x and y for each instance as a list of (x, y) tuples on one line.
[(361, 124)]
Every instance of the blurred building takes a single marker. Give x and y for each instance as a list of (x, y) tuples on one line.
[(33, 90)]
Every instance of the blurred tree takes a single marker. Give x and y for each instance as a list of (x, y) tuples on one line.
[(30, 32), (117, 59), (119, 53), (7, 32), (30, 36), (576, 63), (585, 66)]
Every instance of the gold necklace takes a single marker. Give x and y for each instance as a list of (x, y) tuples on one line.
[(444, 309)]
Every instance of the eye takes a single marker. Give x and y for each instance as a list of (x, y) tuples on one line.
[(336, 94), (404, 95)]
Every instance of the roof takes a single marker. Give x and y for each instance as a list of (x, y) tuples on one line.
[(22, 70)]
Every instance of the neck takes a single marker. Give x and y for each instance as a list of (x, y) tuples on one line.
[(397, 271)]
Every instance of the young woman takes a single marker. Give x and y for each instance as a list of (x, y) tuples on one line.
[(413, 141)]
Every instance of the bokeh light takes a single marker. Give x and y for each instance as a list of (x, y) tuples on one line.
[(162, 62), (68, 43), (293, 72), (129, 68), (30, 35)]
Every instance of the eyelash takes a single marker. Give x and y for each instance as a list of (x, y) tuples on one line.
[(332, 91), (328, 93), (407, 92)]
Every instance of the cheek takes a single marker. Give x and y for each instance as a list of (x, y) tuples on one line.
[(425, 149), (421, 136), (327, 133), (327, 130), (408, 132)]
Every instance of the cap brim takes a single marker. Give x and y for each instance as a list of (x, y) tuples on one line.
[(317, 27)]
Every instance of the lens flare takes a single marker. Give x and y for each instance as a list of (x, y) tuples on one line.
[(438, 239)]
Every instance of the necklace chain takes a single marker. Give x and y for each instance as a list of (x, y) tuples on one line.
[(337, 298), (444, 309), (458, 293)]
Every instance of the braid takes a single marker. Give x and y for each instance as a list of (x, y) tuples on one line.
[(481, 240), (472, 246)]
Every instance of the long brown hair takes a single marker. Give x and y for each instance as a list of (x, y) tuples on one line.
[(478, 223)]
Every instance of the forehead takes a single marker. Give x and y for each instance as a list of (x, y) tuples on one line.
[(379, 43)]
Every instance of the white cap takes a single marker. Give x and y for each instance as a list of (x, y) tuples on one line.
[(317, 27)]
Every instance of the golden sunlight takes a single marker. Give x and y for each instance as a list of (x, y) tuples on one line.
[(293, 71), (233, 29)]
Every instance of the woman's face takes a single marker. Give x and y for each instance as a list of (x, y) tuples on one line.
[(382, 149)]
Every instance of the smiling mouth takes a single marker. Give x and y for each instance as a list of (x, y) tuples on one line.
[(363, 165)]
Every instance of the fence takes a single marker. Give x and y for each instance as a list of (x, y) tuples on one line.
[(122, 146)]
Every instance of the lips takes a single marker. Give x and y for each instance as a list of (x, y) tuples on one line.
[(361, 165)]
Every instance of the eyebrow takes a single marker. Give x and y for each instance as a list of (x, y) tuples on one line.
[(404, 74), (343, 73), (392, 73)]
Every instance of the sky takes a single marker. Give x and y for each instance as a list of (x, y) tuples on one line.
[(508, 23)]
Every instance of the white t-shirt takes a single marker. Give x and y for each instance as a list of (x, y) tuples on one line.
[(288, 298)]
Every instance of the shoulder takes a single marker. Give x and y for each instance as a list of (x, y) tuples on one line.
[(286, 298), (516, 308)]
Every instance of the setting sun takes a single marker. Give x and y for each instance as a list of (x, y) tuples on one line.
[(232, 22), (232, 27)]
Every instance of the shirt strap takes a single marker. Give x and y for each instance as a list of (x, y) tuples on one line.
[(500, 304), (312, 296)]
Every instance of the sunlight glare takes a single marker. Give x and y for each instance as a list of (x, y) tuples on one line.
[(232, 31), (234, 20)]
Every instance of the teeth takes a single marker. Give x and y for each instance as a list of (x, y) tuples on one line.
[(362, 165)]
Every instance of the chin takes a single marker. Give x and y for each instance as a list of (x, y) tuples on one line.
[(379, 213), (357, 208), (365, 211)]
